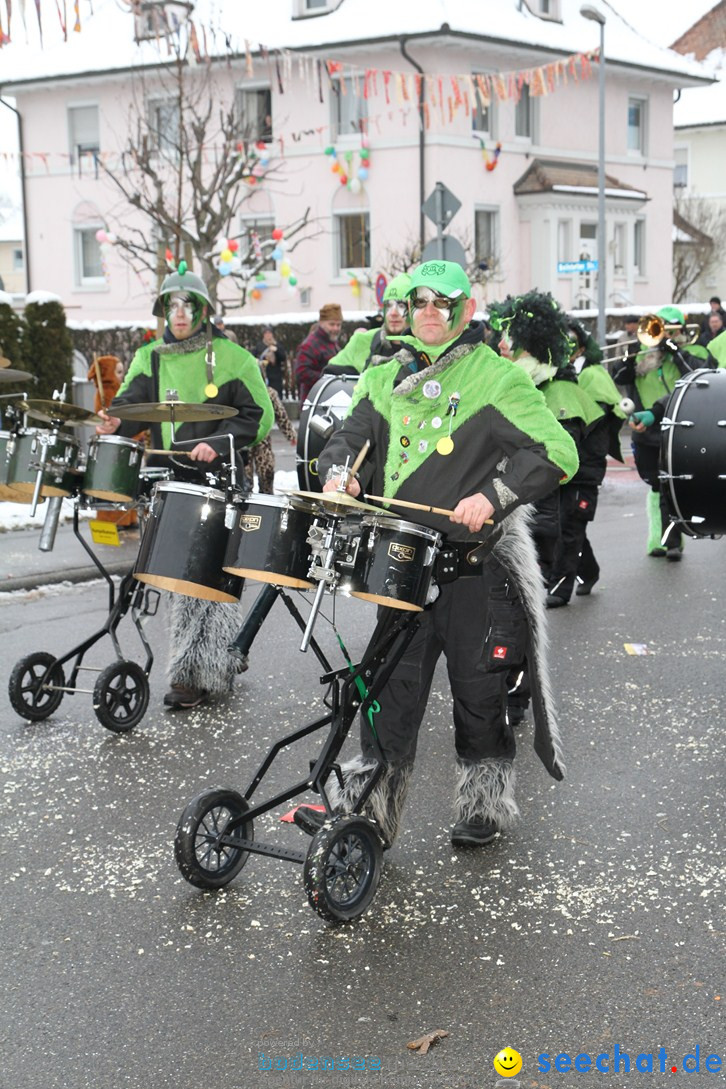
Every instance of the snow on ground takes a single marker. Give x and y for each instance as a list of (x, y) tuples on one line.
[(17, 515)]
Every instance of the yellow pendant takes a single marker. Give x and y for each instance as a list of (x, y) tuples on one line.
[(210, 390), (445, 445)]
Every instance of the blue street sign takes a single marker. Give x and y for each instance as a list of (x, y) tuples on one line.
[(576, 266)]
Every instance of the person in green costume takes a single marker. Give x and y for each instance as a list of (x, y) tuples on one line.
[(199, 364), (646, 379), (534, 334), (368, 346), (574, 560), (453, 425)]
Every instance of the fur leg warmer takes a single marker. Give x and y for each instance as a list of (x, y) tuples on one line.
[(486, 790), (385, 804), (199, 633)]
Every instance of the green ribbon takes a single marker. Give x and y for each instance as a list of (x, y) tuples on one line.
[(375, 706)]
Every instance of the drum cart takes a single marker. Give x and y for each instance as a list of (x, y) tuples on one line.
[(342, 866), (121, 691)]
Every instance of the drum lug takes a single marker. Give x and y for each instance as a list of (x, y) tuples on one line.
[(229, 516)]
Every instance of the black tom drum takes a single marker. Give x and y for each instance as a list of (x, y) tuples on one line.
[(268, 540), (183, 546), (693, 453), (321, 416), (391, 563)]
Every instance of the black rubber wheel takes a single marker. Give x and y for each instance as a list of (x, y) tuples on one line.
[(203, 859), (121, 696), (27, 696), (343, 868)]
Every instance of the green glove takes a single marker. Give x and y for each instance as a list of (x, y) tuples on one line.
[(645, 417)]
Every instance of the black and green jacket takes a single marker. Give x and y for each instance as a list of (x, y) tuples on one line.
[(507, 444), (169, 364)]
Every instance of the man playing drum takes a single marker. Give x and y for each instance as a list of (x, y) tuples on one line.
[(199, 364), (454, 425)]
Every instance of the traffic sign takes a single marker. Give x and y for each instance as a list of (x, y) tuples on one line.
[(444, 248), (576, 266), (441, 206)]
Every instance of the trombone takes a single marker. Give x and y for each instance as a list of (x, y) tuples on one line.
[(649, 334)]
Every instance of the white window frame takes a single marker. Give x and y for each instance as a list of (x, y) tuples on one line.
[(240, 92), (530, 138), (490, 131), (354, 137), (682, 170), (491, 210), (639, 253), (339, 266), (88, 150), (254, 219), (82, 282), (642, 103), (620, 248), (18, 259), (564, 240), (153, 103), (306, 9)]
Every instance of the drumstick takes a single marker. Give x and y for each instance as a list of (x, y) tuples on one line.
[(171, 453), (418, 506), (357, 463), (99, 382)]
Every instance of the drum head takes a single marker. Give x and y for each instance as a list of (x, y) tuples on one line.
[(322, 414)]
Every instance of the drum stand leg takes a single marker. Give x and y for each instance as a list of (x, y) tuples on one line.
[(240, 647)]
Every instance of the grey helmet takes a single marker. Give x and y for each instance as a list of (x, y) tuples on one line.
[(180, 281)]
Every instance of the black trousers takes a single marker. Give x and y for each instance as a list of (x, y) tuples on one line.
[(455, 625), (578, 503)]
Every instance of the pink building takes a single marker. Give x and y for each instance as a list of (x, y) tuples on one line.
[(311, 75)]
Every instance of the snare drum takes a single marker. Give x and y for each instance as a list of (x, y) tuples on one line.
[(60, 474), (390, 563), (182, 548), (112, 469), (693, 453), (321, 415), (268, 541)]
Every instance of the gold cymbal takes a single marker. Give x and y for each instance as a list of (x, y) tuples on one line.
[(58, 412), (337, 501), (171, 412), (8, 374)]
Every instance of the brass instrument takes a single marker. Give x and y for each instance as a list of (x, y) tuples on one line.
[(650, 332)]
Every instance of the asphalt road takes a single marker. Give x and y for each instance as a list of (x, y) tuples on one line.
[(598, 923)]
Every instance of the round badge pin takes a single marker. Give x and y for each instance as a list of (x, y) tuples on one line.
[(423, 446), (445, 445), (406, 421), (405, 441), (210, 390), (436, 422), (431, 389)]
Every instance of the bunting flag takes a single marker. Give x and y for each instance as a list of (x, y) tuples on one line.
[(77, 24)]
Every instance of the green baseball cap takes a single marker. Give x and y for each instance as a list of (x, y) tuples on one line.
[(672, 315), (397, 288), (446, 277)]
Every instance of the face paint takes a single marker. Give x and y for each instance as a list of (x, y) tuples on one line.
[(395, 304), (450, 309), (190, 306)]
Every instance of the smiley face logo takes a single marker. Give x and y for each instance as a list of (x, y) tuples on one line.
[(508, 1062)]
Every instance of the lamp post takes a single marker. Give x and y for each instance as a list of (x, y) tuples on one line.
[(590, 12)]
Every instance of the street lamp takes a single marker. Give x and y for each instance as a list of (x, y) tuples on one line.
[(589, 12)]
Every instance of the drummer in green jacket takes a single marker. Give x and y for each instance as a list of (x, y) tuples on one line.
[(368, 345)]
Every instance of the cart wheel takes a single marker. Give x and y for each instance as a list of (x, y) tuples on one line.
[(121, 696), (202, 858), (343, 868), (27, 697)]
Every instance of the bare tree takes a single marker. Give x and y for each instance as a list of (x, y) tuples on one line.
[(478, 269), (188, 166), (700, 240)]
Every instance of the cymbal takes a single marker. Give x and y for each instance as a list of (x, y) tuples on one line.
[(58, 412), (172, 411), (7, 374), (337, 502)]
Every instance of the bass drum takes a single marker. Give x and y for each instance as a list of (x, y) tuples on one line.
[(321, 416), (693, 453)]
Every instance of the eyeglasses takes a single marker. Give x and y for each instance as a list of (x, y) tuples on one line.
[(395, 304), (425, 295)]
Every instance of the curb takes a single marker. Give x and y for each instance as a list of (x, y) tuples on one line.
[(70, 574)]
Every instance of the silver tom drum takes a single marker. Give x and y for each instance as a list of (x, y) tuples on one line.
[(693, 453)]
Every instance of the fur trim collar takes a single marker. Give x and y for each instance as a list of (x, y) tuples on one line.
[(195, 343)]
